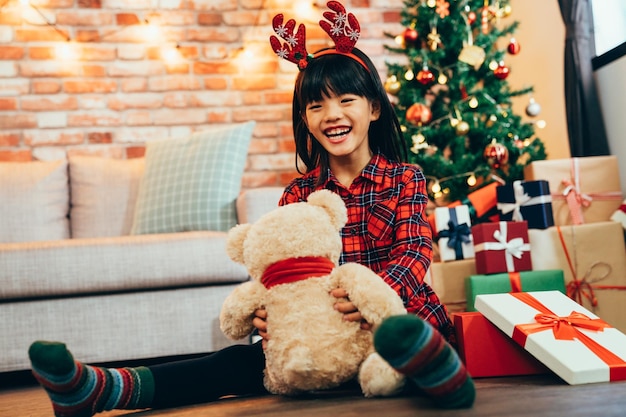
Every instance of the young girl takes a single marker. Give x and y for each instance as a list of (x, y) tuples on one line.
[(349, 139)]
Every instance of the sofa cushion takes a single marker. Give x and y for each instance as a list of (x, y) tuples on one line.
[(103, 195), (192, 183), (255, 202), (34, 201), (115, 264)]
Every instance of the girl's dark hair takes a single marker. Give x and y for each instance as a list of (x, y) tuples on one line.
[(340, 74)]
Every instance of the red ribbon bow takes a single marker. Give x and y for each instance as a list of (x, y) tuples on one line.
[(567, 328)]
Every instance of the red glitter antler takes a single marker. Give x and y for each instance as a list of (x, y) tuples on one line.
[(343, 28), (294, 48)]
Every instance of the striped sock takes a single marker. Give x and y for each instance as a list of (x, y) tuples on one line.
[(78, 390), (414, 348)]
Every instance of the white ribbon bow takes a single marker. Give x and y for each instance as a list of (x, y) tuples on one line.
[(512, 248), (522, 199)]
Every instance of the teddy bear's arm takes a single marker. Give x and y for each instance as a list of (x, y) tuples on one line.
[(239, 307), (370, 294)]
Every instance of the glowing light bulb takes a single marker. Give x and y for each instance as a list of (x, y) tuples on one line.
[(409, 75), (436, 187), (65, 52), (171, 54), (540, 124), (473, 103), (442, 79), (471, 180)]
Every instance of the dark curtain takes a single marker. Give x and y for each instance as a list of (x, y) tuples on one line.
[(587, 135)]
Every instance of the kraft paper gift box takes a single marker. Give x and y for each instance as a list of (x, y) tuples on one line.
[(454, 232), (487, 352), (526, 200), (584, 190), (501, 247), (447, 279), (593, 259), (513, 282), (481, 204), (570, 340)]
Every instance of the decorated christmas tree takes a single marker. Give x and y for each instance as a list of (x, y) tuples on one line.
[(453, 98)]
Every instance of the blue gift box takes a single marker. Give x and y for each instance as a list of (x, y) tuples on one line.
[(526, 200)]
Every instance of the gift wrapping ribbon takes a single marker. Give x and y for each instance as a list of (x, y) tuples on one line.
[(579, 289), (576, 199), (512, 248), (568, 328), (516, 281), (457, 234), (522, 199)]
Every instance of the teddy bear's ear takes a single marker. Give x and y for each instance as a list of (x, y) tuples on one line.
[(333, 204), (234, 241)]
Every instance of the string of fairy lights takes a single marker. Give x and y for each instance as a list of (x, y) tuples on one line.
[(149, 29)]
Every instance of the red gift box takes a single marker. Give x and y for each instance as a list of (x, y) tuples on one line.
[(501, 247), (488, 352)]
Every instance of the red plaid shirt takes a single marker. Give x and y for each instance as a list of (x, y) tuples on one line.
[(387, 230)]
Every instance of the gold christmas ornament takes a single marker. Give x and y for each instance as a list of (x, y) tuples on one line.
[(434, 39), (472, 55), (462, 128), (392, 85)]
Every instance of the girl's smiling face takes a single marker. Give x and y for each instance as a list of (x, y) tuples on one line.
[(340, 123)]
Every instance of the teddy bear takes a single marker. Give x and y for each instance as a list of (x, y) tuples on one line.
[(292, 254)]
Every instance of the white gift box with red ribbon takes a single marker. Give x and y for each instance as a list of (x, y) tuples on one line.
[(570, 340)]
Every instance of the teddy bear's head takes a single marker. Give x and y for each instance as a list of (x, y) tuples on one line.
[(297, 230)]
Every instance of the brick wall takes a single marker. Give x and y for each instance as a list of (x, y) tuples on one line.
[(111, 88)]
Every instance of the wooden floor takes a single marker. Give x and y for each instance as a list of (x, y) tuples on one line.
[(537, 396)]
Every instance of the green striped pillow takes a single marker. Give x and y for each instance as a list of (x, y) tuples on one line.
[(192, 184)]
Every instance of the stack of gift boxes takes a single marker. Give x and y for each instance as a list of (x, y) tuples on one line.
[(551, 245)]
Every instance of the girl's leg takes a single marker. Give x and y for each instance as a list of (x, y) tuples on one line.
[(236, 370), (76, 389), (416, 349)]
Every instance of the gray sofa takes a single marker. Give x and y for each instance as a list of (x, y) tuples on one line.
[(111, 296)]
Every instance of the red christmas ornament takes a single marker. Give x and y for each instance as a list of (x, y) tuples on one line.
[(419, 114), (410, 35), (501, 72), (496, 155), (425, 76), (514, 47), (471, 17)]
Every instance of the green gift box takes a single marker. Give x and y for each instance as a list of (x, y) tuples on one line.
[(551, 279)]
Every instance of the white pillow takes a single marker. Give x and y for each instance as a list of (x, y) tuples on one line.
[(34, 201), (192, 183), (103, 195)]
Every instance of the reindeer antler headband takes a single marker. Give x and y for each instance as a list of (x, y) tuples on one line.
[(343, 28)]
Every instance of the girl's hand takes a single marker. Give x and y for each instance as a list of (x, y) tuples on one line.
[(349, 310), (260, 322)]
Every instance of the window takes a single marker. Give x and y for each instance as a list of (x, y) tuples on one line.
[(609, 21)]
